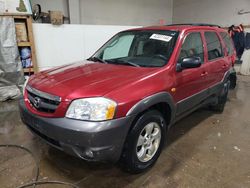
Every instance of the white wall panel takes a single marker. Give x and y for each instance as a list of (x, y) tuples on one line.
[(59, 45)]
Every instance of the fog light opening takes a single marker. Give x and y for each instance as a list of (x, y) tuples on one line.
[(88, 153)]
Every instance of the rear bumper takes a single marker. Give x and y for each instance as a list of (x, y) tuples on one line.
[(94, 141)]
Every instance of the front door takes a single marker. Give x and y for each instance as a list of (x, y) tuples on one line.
[(190, 83)]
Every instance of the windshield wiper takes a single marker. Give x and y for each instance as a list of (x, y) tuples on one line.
[(124, 62), (95, 59)]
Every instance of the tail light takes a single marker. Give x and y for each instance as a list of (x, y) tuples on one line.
[(233, 58)]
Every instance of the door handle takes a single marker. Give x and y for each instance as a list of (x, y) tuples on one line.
[(204, 74)]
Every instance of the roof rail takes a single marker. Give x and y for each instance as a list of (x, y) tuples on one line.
[(196, 24)]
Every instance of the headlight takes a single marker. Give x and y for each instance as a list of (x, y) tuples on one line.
[(92, 109)]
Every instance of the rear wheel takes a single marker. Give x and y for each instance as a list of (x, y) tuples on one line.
[(233, 79), (222, 99), (144, 142)]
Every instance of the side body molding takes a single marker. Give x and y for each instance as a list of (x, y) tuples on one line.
[(144, 104)]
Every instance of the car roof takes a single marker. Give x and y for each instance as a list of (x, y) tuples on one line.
[(182, 27)]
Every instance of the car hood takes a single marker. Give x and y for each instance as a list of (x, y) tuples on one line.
[(87, 79)]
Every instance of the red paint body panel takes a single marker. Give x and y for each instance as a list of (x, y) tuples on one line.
[(127, 85)]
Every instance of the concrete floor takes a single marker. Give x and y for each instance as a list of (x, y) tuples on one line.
[(203, 150)]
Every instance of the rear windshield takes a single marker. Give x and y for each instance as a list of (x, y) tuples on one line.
[(145, 48)]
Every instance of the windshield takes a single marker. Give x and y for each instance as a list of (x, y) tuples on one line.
[(148, 48)]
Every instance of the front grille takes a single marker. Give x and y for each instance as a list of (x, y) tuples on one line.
[(42, 101)]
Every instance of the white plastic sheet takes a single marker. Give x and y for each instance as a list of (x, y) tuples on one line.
[(11, 75), (245, 67)]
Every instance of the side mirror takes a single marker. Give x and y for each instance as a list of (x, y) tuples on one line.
[(188, 62)]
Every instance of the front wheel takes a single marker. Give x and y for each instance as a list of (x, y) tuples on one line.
[(144, 142)]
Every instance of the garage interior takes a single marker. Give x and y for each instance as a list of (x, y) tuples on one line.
[(204, 149)]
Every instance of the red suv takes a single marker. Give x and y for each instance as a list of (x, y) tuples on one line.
[(120, 103)]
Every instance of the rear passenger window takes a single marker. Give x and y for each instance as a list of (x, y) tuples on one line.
[(228, 41), (213, 45), (192, 47)]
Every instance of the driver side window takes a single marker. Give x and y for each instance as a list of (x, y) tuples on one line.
[(192, 47)]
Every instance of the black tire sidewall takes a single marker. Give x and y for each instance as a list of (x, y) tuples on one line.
[(134, 164), (233, 79), (223, 98)]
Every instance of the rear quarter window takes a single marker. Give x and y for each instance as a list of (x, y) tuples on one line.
[(228, 42), (214, 46)]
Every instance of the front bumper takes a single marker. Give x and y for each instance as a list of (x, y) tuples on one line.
[(94, 141)]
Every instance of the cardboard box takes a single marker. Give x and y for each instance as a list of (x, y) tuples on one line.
[(56, 17), (21, 32)]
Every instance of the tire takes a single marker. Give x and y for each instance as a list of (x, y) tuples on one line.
[(138, 141), (233, 80), (222, 99)]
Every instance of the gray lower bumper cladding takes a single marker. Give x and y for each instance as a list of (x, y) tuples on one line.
[(94, 141)]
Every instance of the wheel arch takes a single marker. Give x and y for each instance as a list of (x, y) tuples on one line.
[(163, 102)]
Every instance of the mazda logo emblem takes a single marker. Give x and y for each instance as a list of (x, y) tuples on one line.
[(37, 102)]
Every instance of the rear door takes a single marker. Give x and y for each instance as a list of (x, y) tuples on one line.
[(218, 64), (190, 82)]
